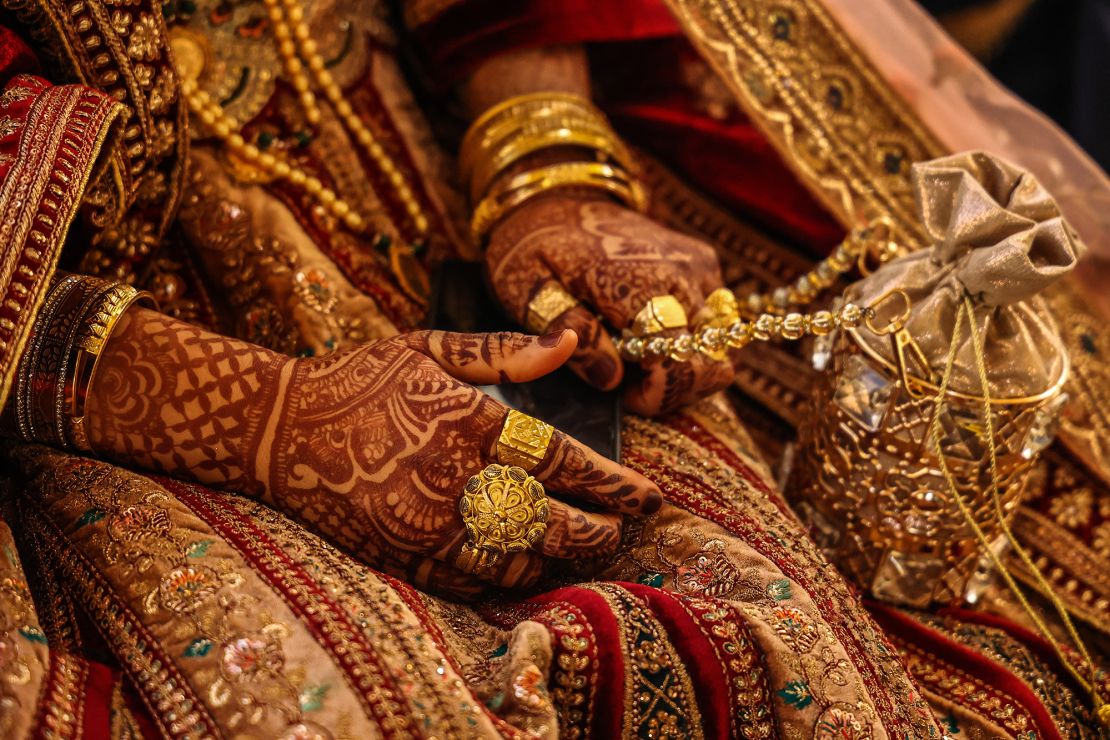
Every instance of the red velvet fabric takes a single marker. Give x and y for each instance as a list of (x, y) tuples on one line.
[(989, 671), (16, 56)]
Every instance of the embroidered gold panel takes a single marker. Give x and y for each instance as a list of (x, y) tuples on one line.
[(836, 121)]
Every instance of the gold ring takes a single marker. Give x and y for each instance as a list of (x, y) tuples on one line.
[(504, 509), (723, 306), (549, 303), (472, 560), (661, 312), (523, 441)]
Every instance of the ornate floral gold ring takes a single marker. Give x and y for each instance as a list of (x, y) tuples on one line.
[(523, 441), (549, 303), (504, 510), (661, 312)]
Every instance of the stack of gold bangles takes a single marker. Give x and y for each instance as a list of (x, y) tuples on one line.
[(56, 371), (519, 127)]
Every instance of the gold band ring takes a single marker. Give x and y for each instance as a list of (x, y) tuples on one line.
[(504, 510), (473, 560), (661, 312), (523, 441), (549, 303)]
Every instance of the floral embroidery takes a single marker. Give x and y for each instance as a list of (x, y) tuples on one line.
[(795, 628), (9, 126), (14, 95), (139, 522), (198, 648), (796, 694), (92, 515), (779, 590), (246, 656), (839, 722), (1100, 539), (1073, 509), (185, 589), (146, 39)]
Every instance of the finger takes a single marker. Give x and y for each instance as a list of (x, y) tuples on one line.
[(665, 385), (434, 576), (573, 533), (500, 357), (595, 359), (575, 470), (517, 570)]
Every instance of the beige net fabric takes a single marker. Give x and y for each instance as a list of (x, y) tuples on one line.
[(967, 109), (998, 237)]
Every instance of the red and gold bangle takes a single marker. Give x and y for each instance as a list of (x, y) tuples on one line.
[(58, 366)]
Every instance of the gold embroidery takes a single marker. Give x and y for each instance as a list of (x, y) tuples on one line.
[(659, 699), (837, 122)]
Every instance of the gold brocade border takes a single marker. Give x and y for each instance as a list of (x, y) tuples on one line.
[(64, 133), (124, 53), (837, 122)]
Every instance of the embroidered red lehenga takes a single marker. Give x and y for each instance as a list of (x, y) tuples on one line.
[(135, 605)]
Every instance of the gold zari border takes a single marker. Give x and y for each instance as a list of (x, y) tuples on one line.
[(837, 123)]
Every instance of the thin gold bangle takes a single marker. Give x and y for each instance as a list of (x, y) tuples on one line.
[(527, 185), (515, 107), (96, 329), (521, 147)]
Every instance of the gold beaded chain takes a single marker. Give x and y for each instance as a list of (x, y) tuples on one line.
[(713, 340), (768, 318), (873, 240), (298, 50)]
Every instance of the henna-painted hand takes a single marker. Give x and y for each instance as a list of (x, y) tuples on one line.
[(371, 447), (613, 260)]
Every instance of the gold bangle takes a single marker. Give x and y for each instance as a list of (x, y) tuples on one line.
[(527, 185), (528, 143), (42, 367), (95, 329), (478, 136), (55, 372)]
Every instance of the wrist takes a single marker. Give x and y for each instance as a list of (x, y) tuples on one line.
[(174, 398)]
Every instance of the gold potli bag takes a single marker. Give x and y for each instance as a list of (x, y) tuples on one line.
[(927, 417)]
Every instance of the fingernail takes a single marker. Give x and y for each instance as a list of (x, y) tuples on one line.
[(552, 339), (601, 371), (652, 503)]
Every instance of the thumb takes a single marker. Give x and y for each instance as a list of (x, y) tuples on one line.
[(501, 357)]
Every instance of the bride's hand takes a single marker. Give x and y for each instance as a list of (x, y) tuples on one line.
[(613, 260), (371, 447)]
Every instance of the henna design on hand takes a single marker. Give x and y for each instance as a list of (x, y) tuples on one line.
[(371, 446), (614, 260)]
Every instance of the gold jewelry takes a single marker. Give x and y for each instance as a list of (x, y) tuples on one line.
[(723, 306), (529, 136), (711, 341), (661, 312), (94, 330), (499, 119), (473, 560), (298, 50), (523, 441), (527, 185), (549, 303), (726, 329), (58, 368), (512, 130), (504, 509)]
